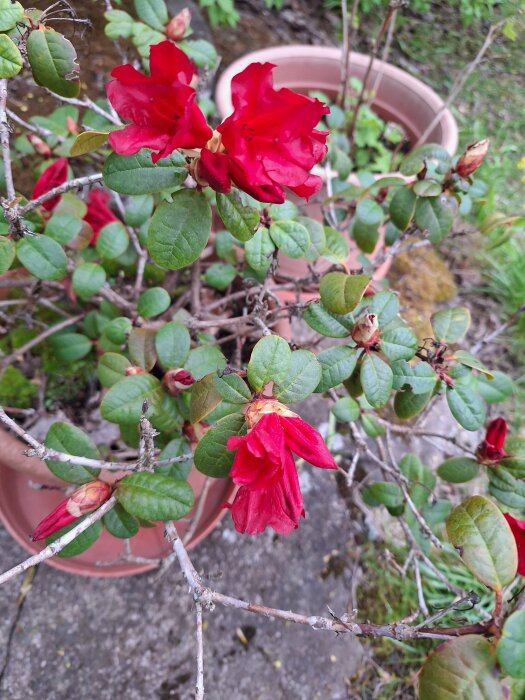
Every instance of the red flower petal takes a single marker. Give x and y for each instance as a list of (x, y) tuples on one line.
[(306, 442), (279, 507), (213, 168), (53, 176), (98, 213), (53, 522), (496, 433), (169, 64), (518, 530)]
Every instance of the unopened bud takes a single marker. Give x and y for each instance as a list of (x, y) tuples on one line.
[(177, 380), (131, 371), (71, 125), (40, 146), (366, 331), (82, 501), (491, 450), (472, 158), (178, 25)]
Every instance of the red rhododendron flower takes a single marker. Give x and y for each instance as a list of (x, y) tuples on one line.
[(82, 501), (490, 451), (269, 142), (53, 176), (161, 107), (265, 470), (98, 213), (518, 530), (177, 380)]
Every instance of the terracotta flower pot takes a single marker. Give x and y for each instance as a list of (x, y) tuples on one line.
[(23, 505)]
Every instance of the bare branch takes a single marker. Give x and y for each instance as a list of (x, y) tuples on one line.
[(74, 184), (4, 137)]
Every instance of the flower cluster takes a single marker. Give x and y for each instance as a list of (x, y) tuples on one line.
[(269, 141), (264, 467)]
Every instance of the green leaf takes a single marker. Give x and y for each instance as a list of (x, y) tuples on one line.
[(317, 237), (203, 360), (346, 410), (87, 142), (64, 228), (368, 217), (7, 254), (201, 52), (458, 470), (220, 275), (291, 237), (337, 364), (53, 60), (138, 209), (434, 216), (168, 416), (465, 358), (376, 380), (212, 456), (120, 24), (303, 377), (152, 496), (204, 398), (172, 343), (179, 230), (118, 330), (336, 248), (124, 400), (232, 388), (407, 404), (461, 668), (497, 390), (81, 543), (326, 323), (153, 302), (144, 37), (70, 346), (466, 406), (365, 236), (120, 523), (372, 426), (112, 368), (88, 279), (259, 250), (421, 378), (484, 540), (112, 241), (11, 60), (141, 346), (398, 344), (341, 293), (384, 493), (42, 256), (240, 220), (415, 160), (270, 361), (511, 647), (176, 448), (139, 175), (427, 188), (386, 307), (450, 325), (67, 438), (402, 207), (153, 12), (10, 14)]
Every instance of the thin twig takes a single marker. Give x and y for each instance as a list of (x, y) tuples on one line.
[(4, 137), (199, 686), (74, 184), (59, 544)]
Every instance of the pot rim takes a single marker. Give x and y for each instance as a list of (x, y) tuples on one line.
[(301, 53)]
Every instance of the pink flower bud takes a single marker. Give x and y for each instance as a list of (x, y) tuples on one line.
[(366, 331), (131, 371), (71, 125), (178, 25), (490, 451), (177, 380), (40, 146), (472, 158), (82, 501)]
